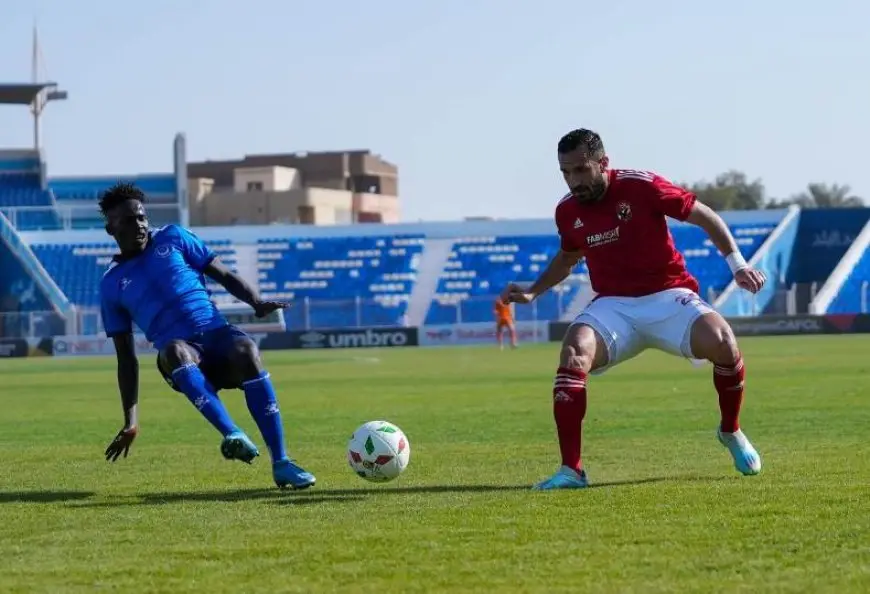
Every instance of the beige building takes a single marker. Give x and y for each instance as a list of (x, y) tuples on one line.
[(330, 188)]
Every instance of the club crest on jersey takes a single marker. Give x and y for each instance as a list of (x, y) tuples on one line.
[(163, 251), (623, 211)]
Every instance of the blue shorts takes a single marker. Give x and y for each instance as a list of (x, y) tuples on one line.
[(215, 348)]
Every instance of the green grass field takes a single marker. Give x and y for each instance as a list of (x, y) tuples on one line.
[(668, 512)]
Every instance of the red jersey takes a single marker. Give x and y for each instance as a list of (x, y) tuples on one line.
[(629, 249)]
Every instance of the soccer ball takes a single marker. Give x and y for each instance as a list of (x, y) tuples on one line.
[(378, 451)]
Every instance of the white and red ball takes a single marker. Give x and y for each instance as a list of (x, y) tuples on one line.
[(378, 451)]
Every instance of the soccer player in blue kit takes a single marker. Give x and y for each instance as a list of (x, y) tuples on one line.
[(158, 283)]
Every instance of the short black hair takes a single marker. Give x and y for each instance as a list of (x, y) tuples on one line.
[(584, 139), (118, 194)]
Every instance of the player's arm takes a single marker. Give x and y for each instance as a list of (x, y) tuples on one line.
[(681, 204), (239, 288), (707, 219), (128, 377), (205, 260), (557, 270), (128, 386), (119, 326)]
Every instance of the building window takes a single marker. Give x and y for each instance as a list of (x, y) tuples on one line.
[(255, 186)]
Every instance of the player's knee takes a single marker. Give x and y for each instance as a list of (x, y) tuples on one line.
[(581, 349), (176, 354), (729, 352), (723, 349), (574, 356)]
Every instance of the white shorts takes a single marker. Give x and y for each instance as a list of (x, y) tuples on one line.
[(630, 325)]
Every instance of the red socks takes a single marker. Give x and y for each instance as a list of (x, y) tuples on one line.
[(729, 384), (569, 408)]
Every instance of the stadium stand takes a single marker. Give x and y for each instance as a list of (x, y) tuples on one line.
[(368, 278), (854, 294), (21, 190), (847, 290), (703, 259), (479, 267), (78, 268), (77, 197), (371, 276)]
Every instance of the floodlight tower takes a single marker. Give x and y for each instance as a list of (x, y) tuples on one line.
[(48, 93)]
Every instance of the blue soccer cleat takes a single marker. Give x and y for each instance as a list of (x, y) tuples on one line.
[(288, 475), (565, 478), (238, 446), (746, 459)]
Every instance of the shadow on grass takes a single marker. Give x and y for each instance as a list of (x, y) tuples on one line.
[(43, 496), (318, 495)]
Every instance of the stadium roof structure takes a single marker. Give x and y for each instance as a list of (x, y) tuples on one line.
[(22, 94)]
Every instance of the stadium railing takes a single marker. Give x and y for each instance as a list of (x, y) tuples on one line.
[(29, 324), (316, 314), (78, 216), (312, 314)]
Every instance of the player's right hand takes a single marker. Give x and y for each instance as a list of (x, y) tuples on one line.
[(514, 293), (750, 279), (121, 443)]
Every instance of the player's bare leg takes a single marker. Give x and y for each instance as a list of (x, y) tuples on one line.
[(183, 361), (499, 334), (712, 339), (583, 350), (263, 405), (513, 335)]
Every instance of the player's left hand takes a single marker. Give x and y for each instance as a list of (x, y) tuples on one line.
[(750, 279), (264, 308), (121, 444)]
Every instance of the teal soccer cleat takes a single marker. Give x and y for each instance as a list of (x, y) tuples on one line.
[(238, 446), (565, 478), (289, 475), (746, 459)]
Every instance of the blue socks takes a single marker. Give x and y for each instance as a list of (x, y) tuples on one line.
[(259, 395), (202, 395), (263, 405)]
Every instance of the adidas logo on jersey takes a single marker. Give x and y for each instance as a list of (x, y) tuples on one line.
[(578, 223)]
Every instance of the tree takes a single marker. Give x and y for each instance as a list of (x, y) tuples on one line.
[(819, 195), (730, 191)]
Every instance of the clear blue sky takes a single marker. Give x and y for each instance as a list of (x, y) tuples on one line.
[(467, 97)]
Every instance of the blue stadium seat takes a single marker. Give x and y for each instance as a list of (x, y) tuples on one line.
[(703, 259), (17, 192), (852, 296), (77, 269), (480, 267), (340, 282), (367, 281), (19, 180), (78, 197)]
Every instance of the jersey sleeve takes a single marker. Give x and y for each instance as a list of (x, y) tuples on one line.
[(197, 254), (672, 200), (116, 320)]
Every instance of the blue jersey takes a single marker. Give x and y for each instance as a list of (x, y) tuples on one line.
[(162, 289)]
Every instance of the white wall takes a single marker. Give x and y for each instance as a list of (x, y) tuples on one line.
[(270, 179)]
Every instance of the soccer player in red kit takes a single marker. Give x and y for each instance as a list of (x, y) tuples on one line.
[(616, 219)]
